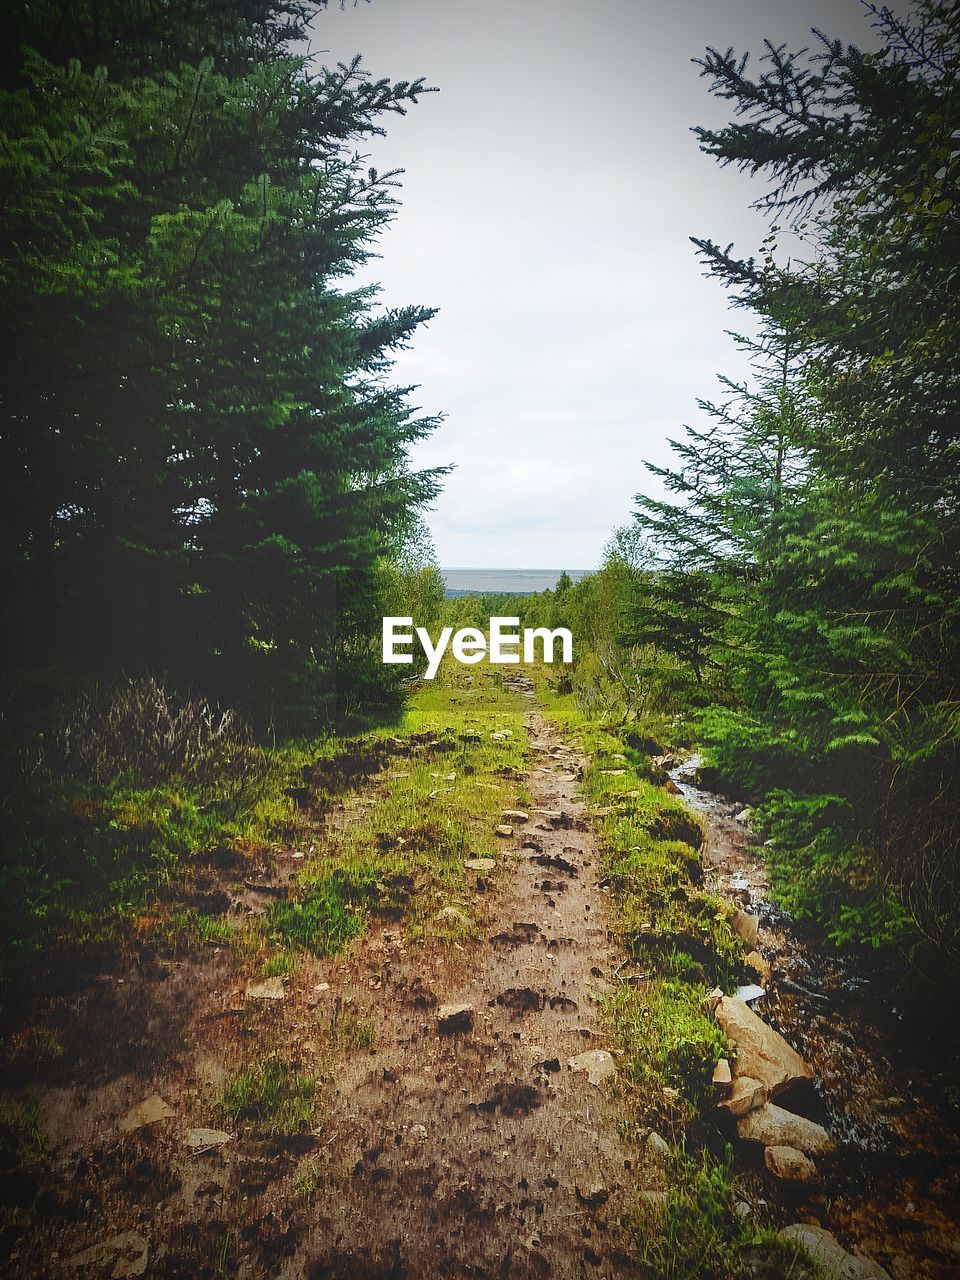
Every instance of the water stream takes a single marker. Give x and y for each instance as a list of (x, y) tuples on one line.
[(885, 1089)]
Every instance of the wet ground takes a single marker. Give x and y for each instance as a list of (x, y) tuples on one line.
[(887, 1092)]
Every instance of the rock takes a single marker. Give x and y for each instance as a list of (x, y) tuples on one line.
[(762, 1053), (418, 1132), (593, 1194), (269, 989), (147, 1112), (515, 815), (128, 1252), (657, 1146), (671, 788), (452, 1018), (453, 915), (505, 830), (774, 1127), (744, 815), (722, 1078), (480, 864), (597, 1063), (832, 1260), (760, 966), (205, 1139), (790, 1165), (749, 991), (710, 1001), (745, 926), (745, 1095), (613, 773)]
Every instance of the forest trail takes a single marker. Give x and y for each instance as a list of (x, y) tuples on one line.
[(483, 1142), (482, 1151)]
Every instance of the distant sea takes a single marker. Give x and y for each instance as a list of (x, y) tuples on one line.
[(517, 582)]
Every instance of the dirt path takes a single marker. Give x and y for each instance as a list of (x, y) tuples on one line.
[(481, 1152), (433, 1146)]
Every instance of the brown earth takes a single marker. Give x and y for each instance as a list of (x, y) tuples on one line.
[(477, 1152)]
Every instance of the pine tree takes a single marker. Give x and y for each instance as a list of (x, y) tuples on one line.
[(844, 644), (203, 458)]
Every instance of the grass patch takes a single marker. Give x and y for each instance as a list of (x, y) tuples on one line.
[(698, 1234), (282, 964), (22, 1140), (679, 937), (271, 1095), (460, 761)]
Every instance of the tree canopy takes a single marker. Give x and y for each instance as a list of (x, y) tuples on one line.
[(203, 459)]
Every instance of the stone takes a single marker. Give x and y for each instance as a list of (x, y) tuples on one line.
[(593, 1194), (671, 788), (762, 1053), (515, 815), (774, 1127), (760, 966), (657, 1146), (710, 1001), (746, 926), (749, 992), (831, 1259), (269, 989), (205, 1139), (505, 830), (480, 864), (744, 815), (147, 1112), (597, 1063), (129, 1253), (790, 1165), (745, 1095), (453, 915), (453, 1018), (722, 1078)]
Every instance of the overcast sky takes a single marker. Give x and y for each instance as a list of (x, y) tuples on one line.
[(549, 194)]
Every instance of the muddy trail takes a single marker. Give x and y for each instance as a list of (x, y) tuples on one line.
[(887, 1095), (468, 1121), (482, 1139)]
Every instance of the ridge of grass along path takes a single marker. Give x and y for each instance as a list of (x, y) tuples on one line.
[(403, 854), (679, 938)]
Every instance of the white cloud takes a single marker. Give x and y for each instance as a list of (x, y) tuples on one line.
[(551, 188)]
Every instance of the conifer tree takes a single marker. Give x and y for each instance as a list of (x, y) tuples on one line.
[(844, 639), (203, 459)]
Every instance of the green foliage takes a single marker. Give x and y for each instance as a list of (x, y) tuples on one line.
[(272, 1095), (329, 915), (667, 1041), (698, 1234), (822, 501), (203, 462), (113, 800)]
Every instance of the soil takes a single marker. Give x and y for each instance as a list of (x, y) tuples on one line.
[(468, 1149), (886, 1092)]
